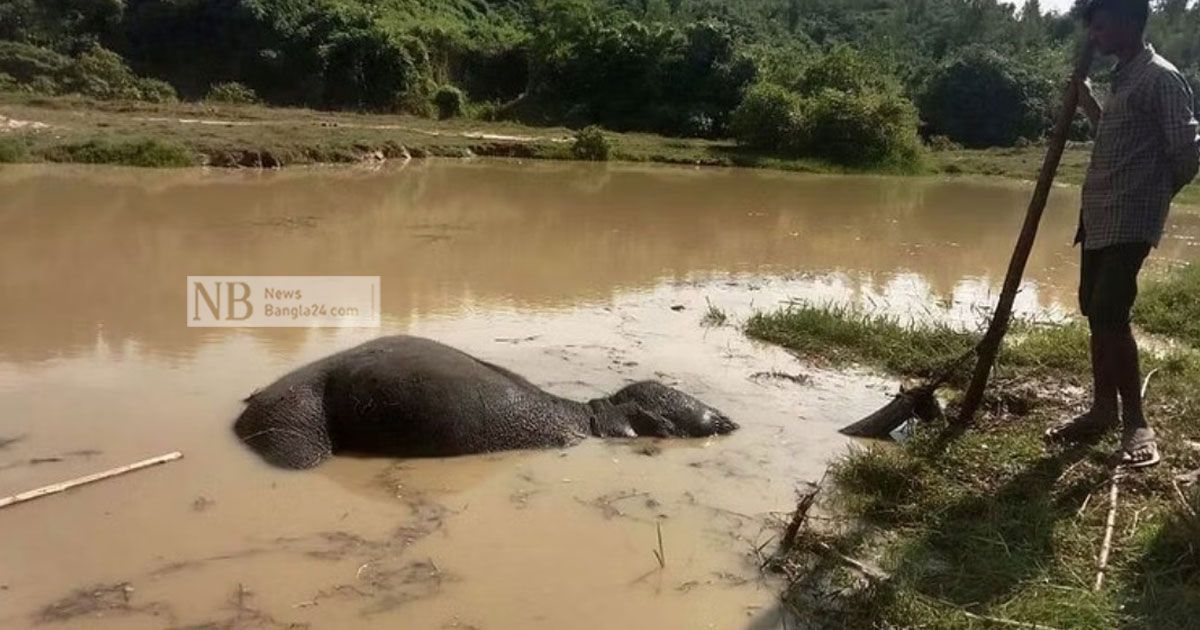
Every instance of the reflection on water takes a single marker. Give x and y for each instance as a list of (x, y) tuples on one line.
[(567, 274)]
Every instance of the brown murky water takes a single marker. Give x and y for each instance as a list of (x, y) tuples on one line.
[(564, 273)]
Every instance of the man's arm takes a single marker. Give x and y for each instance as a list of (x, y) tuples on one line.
[(1173, 98)]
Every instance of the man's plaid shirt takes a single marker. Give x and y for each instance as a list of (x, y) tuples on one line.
[(1146, 149)]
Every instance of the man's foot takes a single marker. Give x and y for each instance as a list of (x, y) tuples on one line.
[(1089, 427), (1139, 449)]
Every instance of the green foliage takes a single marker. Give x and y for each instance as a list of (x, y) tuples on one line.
[(369, 68), (982, 99), (156, 91), (147, 152), (838, 108), (12, 149), (679, 67), (102, 74), (849, 335), (591, 144), (450, 102), (859, 128), (843, 69), (27, 62), (767, 118), (232, 93), (7, 82), (1171, 306), (66, 25), (633, 75), (96, 72)]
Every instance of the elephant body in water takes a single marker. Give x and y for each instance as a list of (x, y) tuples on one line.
[(413, 397)]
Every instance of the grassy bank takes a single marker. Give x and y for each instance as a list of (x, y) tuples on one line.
[(1026, 162), (70, 129), (64, 129), (991, 526)]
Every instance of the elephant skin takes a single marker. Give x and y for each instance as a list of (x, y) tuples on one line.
[(412, 397)]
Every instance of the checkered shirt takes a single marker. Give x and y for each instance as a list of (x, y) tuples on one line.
[(1146, 150)]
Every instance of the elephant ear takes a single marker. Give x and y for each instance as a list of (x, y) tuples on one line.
[(646, 423), (609, 420)]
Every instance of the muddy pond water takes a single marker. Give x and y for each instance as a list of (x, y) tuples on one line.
[(581, 278)]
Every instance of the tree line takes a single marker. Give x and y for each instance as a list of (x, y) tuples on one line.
[(854, 81)]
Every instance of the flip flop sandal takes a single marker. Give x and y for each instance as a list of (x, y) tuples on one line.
[(1126, 455), (1078, 430)]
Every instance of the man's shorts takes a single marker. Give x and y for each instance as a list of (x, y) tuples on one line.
[(1108, 283)]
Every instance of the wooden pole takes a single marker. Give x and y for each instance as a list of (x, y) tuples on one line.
[(989, 347), (79, 481)]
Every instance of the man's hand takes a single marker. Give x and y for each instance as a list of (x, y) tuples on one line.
[(1087, 101)]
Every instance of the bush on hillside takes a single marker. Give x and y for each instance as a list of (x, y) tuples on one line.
[(155, 91), (981, 99), (231, 93), (101, 74), (97, 73), (26, 62), (450, 102), (843, 69), (369, 68), (634, 76)]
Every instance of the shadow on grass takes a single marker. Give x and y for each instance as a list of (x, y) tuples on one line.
[(976, 549), (1163, 587)]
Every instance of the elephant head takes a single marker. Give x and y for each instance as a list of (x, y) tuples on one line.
[(652, 409)]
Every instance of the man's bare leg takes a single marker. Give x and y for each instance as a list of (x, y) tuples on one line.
[(1103, 414), (1138, 445)]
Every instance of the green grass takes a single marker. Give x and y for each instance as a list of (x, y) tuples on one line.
[(989, 523), (1170, 305), (1026, 162), (714, 316), (12, 150), (844, 334), (144, 152)]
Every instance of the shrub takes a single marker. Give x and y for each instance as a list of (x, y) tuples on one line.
[(864, 129), (232, 93), (156, 91), (845, 70), (942, 143), (12, 149), (25, 62), (766, 117), (369, 68), (450, 102), (630, 75), (591, 144), (146, 152), (982, 99), (102, 74), (7, 82)]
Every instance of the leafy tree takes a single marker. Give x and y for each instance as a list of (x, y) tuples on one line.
[(767, 117), (982, 99)]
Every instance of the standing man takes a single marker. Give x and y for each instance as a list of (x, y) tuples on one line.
[(1146, 150)]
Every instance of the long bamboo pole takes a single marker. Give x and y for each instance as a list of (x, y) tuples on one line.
[(79, 481), (989, 346)]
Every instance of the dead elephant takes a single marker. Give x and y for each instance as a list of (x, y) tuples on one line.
[(411, 397)]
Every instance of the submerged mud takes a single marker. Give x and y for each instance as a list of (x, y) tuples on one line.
[(580, 278)]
